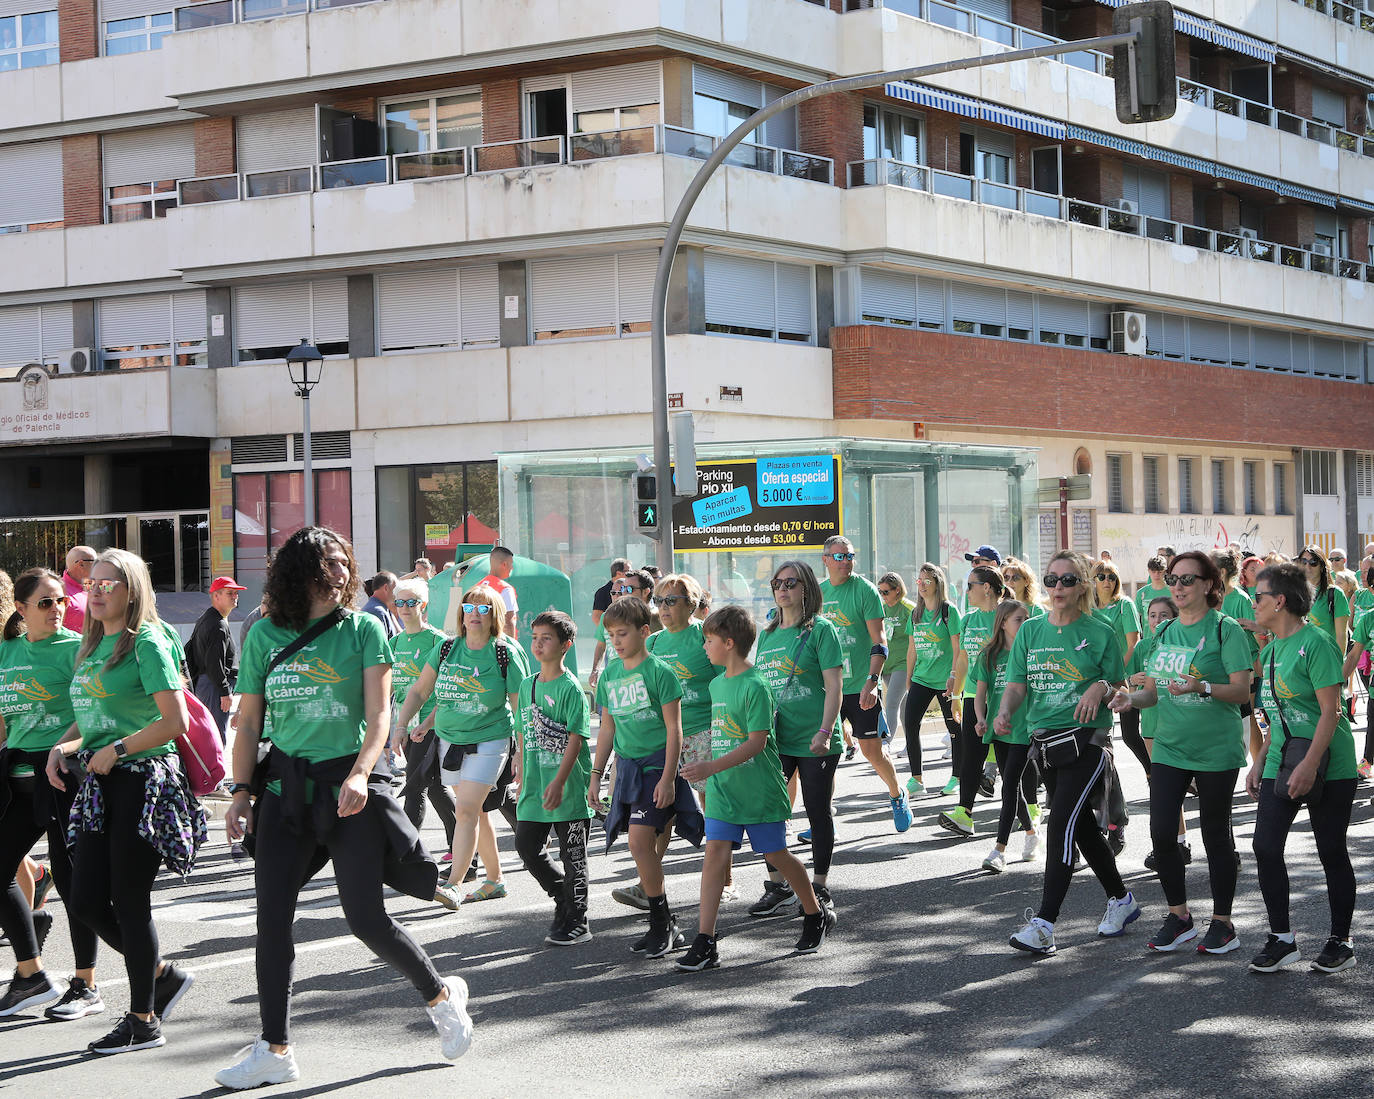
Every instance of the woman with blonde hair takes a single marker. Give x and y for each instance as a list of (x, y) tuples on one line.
[(933, 639), (1023, 585)]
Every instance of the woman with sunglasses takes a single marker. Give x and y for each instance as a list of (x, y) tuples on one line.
[(1330, 607), (37, 661), (1023, 586), (800, 656), (476, 680), (932, 642), (1198, 678), (897, 610), (1300, 694), (132, 811), (1121, 614), (640, 584), (1063, 667)]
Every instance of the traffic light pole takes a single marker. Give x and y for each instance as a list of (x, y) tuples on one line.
[(673, 236)]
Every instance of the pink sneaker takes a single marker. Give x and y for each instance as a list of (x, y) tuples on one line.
[(447, 858)]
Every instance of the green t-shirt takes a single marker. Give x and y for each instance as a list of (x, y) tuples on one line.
[(753, 792), (315, 698), (1059, 663), (1326, 608), (1239, 605), (1194, 732), (850, 607), (112, 703), (974, 632), (932, 641), (1140, 659), (635, 701), (1362, 630), (896, 623), (801, 699), (473, 696), (411, 652), (685, 653), (997, 685), (1147, 595), (35, 689), (550, 714), (1123, 618), (1363, 601), (1301, 663), (1036, 610)]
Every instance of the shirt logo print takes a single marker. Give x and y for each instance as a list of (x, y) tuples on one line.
[(33, 690)]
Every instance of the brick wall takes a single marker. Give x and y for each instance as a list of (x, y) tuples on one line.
[(1181, 198), (833, 126), (82, 198), (215, 146), (501, 110), (1223, 212), (1291, 224), (1359, 238), (1293, 92), (942, 140), (898, 374), (1092, 178), (1026, 13), (77, 29)]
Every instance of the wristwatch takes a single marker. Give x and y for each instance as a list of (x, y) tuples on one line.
[(873, 677), (239, 788), (120, 750), (1205, 689)]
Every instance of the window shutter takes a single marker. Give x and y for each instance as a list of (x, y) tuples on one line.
[(329, 310), (997, 9), (479, 305), (142, 321), (1062, 315), (619, 86), (1021, 310), (418, 308), (887, 294), (1273, 349), (739, 292), (930, 303), (794, 300), (981, 304), (1154, 194), (57, 327), (635, 283), (1240, 345), (189, 322), (278, 139), (567, 295), (272, 316), (1328, 106), (780, 130), (1301, 354), (995, 141), (1173, 336), (141, 156), (1328, 357), (20, 340), (1208, 341), (111, 10), (727, 86), (31, 183)]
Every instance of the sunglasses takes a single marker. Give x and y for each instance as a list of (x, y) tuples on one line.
[(1068, 580), (480, 608), (1175, 579), (976, 583), (788, 584), (1101, 576), (105, 587), (407, 602), (624, 591), (884, 591), (1261, 594), (669, 600), (48, 602), (1312, 561), (86, 561), (840, 556)]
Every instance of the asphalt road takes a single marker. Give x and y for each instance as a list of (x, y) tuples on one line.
[(917, 991)]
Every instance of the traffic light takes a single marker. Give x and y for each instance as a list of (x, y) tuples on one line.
[(1145, 72), (646, 503)]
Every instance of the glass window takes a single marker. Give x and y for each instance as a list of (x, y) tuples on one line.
[(718, 117), (28, 41), (891, 135), (615, 118), (1185, 486), (141, 201), (270, 507), (451, 121), (1154, 496), (431, 510), (1252, 501), (1116, 483), (137, 35)]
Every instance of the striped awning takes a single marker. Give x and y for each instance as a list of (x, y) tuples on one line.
[(1019, 120), (934, 98), (1306, 194), (1227, 37), (1330, 70)]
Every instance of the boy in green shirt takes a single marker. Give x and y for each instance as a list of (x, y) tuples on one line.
[(554, 761), (744, 787)]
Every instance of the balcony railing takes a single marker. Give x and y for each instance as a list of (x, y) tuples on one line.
[(919, 177), (760, 158), (218, 13), (1359, 14), (507, 156), (1265, 115)]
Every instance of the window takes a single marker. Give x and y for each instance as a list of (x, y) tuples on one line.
[(31, 186), (138, 34), (141, 169), (757, 298), (436, 308), (270, 507), (1319, 473), (1253, 504), (987, 154), (1118, 470), (591, 296), (892, 135), (722, 100), (28, 41), (1282, 506), (1045, 169), (153, 330), (1221, 497), (1154, 484), (448, 121), (593, 101), (271, 319), (1186, 504), (33, 333), (433, 510), (1364, 474)]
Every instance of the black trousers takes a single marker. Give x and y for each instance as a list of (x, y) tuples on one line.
[(1330, 821), (1168, 786), (357, 845), (1071, 825), (969, 757), (1012, 760), (1130, 736), (19, 831), (816, 774), (423, 781), (918, 697), (112, 883), (568, 887)]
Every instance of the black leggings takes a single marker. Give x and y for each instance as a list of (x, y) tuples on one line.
[(1130, 736), (1330, 821), (918, 698), (568, 887), (1011, 762), (1168, 785), (422, 782), (112, 883), (357, 844), (1072, 824), (817, 777), (969, 756), (18, 833)]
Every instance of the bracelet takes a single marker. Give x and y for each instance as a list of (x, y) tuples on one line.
[(240, 788), (598, 771)]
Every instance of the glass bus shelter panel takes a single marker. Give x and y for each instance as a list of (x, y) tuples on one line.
[(899, 525), (977, 510)]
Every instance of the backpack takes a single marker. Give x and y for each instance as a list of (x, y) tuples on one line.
[(502, 656), (200, 748)]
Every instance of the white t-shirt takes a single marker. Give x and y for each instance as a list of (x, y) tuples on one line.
[(505, 591)]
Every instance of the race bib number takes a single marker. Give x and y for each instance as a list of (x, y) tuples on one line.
[(1170, 662), (626, 696)]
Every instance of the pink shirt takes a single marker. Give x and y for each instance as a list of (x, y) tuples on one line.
[(76, 603)]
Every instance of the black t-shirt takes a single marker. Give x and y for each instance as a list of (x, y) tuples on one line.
[(602, 599)]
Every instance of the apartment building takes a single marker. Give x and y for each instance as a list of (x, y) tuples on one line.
[(459, 202)]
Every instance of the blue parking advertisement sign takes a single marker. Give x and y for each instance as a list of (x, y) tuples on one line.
[(772, 503)]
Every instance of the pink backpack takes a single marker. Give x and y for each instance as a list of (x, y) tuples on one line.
[(201, 751)]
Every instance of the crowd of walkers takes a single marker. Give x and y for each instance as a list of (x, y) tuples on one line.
[(709, 727)]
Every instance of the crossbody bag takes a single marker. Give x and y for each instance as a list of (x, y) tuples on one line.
[(1294, 752)]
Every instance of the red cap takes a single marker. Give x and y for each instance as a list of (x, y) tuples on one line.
[(222, 582)]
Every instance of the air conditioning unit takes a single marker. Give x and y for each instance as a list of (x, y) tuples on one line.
[(1128, 333), (1126, 206), (76, 360), (1321, 248), (1247, 234)]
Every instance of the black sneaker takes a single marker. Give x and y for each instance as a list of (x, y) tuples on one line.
[(26, 992), (1275, 955), (849, 753), (132, 1033), (814, 930), (985, 786), (1175, 932), (570, 933), (77, 1002), (42, 925), (171, 985), (560, 918), (1185, 852), (823, 898), (1116, 840), (1335, 956), (700, 955), (1220, 939), (42, 887), (660, 939), (777, 897)]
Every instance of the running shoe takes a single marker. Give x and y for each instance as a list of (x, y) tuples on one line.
[(951, 787), (729, 892), (1364, 770), (258, 1065), (1175, 932), (849, 753), (77, 1002), (824, 899), (171, 985), (915, 786), (26, 992), (1185, 852), (987, 784), (447, 894), (1031, 851), (996, 861), (1037, 937), (451, 1019), (447, 858), (815, 927), (660, 939), (901, 812), (488, 891), (42, 886), (804, 836), (1116, 839), (700, 955), (569, 933), (632, 895), (777, 898), (130, 1034), (945, 747), (1335, 956), (1275, 955), (1220, 939), (1119, 913), (958, 821)]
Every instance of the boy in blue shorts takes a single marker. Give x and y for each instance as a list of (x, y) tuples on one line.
[(745, 790)]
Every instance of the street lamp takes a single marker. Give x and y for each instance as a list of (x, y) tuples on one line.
[(305, 364)]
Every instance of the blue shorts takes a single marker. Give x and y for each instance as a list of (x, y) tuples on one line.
[(763, 838), (651, 816)]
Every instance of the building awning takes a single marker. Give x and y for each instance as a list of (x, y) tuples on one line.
[(941, 100), (1196, 26)]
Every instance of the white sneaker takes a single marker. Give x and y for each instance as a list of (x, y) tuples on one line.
[(1031, 851), (996, 861), (259, 1066), (1119, 913), (451, 1019), (729, 892), (632, 895), (1037, 937)]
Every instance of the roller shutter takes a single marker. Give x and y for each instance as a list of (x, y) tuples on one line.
[(142, 156), (31, 183), (278, 139)]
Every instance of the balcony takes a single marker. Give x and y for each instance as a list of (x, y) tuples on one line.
[(96, 255), (1359, 14)]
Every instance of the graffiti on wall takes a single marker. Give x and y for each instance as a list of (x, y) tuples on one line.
[(1130, 548)]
